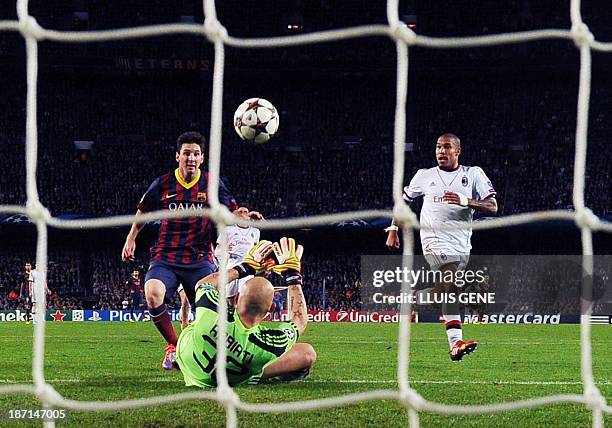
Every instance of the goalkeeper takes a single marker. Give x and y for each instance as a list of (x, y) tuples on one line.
[(254, 352)]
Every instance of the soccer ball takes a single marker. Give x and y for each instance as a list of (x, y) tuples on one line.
[(256, 120)]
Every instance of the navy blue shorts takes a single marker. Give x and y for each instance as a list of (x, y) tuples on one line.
[(172, 276), (136, 299)]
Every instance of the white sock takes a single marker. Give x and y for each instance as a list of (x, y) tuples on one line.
[(452, 323)]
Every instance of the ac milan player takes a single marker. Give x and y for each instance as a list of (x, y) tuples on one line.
[(240, 239), (451, 193), (183, 251), (134, 288), (24, 292), (33, 297)]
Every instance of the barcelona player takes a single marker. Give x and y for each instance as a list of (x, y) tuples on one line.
[(183, 252), (134, 288)]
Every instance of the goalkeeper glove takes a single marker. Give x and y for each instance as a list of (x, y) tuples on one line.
[(253, 262), (288, 256)]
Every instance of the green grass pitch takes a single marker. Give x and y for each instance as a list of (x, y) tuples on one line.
[(114, 361)]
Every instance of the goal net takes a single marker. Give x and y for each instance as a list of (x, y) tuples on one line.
[(404, 38)]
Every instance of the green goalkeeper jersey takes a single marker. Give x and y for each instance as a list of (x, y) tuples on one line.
[(249, 350)]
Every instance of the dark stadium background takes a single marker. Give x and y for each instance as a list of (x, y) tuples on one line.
[(513, 106)]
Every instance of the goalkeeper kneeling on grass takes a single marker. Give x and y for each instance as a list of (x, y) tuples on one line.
[(254, 353)]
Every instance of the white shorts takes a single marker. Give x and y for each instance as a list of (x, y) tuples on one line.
[(236, 286), (438, 255)]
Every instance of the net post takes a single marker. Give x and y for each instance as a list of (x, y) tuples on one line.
[(229, 399), (401, 210), (583, 39), (216, 34), (220, 215), (413, 418), (598, 402), (31, 32), (222, 311), (36, 211), (232, 416), (38, 362)]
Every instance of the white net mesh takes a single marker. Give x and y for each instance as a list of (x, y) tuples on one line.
[(404, 38)]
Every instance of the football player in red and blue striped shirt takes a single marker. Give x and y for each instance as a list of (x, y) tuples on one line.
[(134, 288), (183, 253)]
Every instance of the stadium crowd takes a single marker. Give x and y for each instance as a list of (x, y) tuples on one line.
[(331, 282), (516, 119), (62, 278), (343, 163)]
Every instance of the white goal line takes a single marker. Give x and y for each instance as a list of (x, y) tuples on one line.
[(349, 381)]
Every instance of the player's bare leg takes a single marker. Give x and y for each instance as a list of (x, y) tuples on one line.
[(294, 365), (155, 291), (452, 319), (28, 311)]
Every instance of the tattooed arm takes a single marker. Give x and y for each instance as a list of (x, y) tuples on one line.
[(297, 309), (289, 255)]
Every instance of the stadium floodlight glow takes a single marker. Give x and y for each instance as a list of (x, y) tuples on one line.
[(403, 37)]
